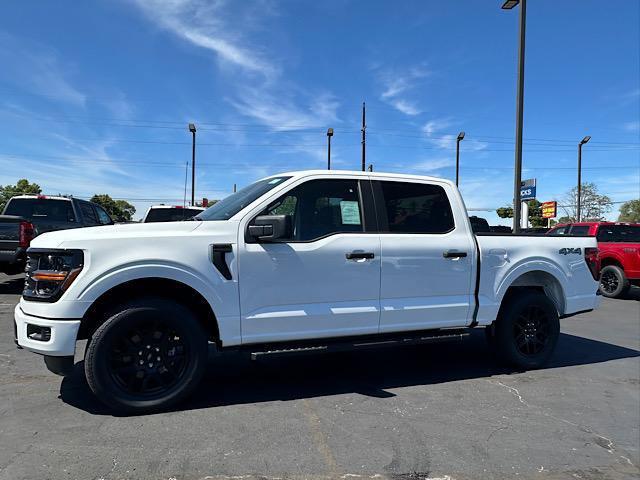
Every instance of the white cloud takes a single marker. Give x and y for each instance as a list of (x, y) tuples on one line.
[(280, 113), (433, 164), (37, 69), (405, 106), (397, 84), (633, 127), (436, 125), (201, 22)]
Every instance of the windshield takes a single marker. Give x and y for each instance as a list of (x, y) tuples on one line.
[(228, 207)]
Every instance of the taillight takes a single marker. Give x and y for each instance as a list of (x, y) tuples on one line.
[(27, 232), (592, 257)]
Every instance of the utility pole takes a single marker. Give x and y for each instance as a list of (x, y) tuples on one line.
[(582, 142), (364, 138), (186, 172), (517, 180), (460, 137), (234, 188), (192, 129), (329, 135)]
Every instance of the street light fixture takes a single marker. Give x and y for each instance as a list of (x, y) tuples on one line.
[(509, 4), (582, 142), (192, 129), (517, 180), (329, 135), (460, 137)]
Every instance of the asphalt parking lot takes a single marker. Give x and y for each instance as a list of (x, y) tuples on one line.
[(443, 411)]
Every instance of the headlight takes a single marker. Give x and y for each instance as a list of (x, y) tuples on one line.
[(50, 272)]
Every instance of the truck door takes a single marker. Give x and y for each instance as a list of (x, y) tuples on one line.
[(427, 257), (323, 281)]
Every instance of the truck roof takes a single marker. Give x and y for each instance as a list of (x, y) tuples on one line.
[(305, 173), (41, 197)]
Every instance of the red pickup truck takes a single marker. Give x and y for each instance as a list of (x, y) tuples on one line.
[(619, 246)]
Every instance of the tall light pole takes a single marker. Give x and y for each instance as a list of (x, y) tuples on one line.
[(192, 129), (517, 180), (364, 137), (460, 137), (582, 142), (329, 135)]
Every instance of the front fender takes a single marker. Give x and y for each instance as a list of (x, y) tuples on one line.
[(140, 270)]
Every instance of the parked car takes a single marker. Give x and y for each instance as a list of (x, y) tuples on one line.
[(299, 262), (479, 224), (170, 213), (26, 216), (15, 235), (619, 245), (500, 229)]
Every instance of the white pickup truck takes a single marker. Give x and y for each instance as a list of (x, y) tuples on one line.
[(297, 262)]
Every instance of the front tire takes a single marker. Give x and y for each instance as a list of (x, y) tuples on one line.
[(148, 356), (613, 282), (527, 330)]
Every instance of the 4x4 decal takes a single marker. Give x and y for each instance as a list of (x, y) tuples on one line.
[(570, 251)]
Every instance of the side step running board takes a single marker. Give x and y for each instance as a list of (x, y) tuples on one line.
[(377, 341)]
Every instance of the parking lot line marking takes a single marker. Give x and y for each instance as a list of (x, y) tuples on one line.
[(319, 437)]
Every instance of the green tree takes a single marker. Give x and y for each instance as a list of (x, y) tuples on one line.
[(22, 187), (630, 211), (535, 213), (119, 210), (593, 205)]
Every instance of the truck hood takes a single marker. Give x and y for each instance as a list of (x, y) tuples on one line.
[(141, 231)]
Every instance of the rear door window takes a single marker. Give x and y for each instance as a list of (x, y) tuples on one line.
[(415, 208), (35, 209)]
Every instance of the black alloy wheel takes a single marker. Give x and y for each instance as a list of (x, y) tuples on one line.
[(526, 330), (531, 330), (148, 356), (147, 359)]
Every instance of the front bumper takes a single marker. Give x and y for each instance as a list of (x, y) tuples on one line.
[(62, 342)]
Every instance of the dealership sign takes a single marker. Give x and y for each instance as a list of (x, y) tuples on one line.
[(549, 209), (528, 189)]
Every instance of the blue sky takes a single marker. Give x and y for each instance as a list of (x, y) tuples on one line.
[(95, 96)]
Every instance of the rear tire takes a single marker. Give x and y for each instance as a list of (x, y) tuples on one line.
[(613, 282), (148, 356), (527, 330)]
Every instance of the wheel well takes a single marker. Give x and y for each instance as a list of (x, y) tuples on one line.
[(539, 281), (605, 262), (160, 287)]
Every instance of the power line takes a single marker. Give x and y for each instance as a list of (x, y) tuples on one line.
[(142, 162), (292, 129)]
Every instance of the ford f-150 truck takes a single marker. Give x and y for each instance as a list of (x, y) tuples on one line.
[(298, 262), (619, 252)]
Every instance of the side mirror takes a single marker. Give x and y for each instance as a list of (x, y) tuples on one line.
[(267, 228)]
